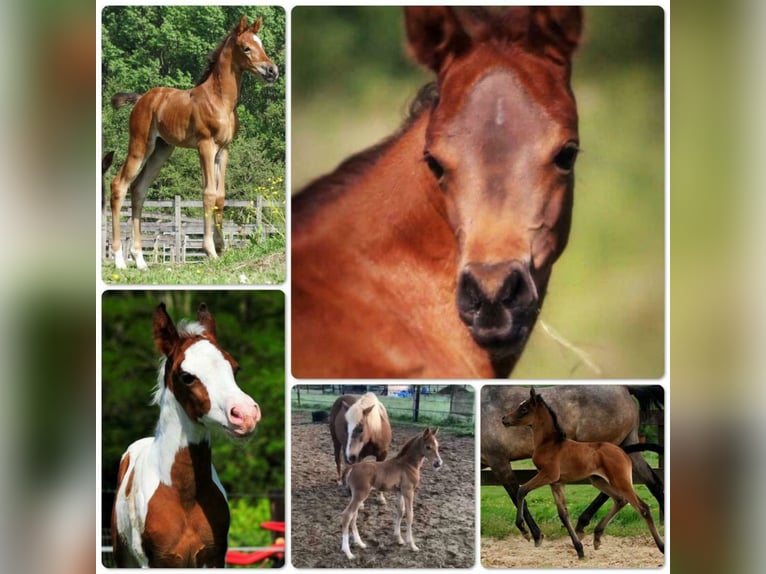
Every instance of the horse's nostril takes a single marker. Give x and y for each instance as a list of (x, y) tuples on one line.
[(234, 414)]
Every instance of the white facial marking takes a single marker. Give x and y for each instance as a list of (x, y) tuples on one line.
[(499, 112), (207, 363), (257, 40)]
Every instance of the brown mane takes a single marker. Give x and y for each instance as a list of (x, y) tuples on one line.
[(214, 56), (327, 187), (407, 446)]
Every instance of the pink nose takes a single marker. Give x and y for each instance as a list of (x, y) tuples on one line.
[(245, 416)]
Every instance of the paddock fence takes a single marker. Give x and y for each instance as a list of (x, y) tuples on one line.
[(172, 230), (444, 405)]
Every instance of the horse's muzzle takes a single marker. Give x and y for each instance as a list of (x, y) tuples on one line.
[(269, 72), (499, 303)]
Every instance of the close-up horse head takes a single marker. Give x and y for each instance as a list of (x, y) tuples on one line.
[(500, 149), (365, 423), (249, 54), (199, 376)]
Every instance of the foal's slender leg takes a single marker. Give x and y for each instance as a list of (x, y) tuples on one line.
[(355, 531), (505, 476), (561, 505), (542, 478), (220, 184), (409, 497), (138, 190), (399, 512), (140, 146), (643, 510), (207, 157), (349, 515)]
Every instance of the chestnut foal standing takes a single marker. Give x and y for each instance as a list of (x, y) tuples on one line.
[(401, 472), (203, 117), (560, 460)]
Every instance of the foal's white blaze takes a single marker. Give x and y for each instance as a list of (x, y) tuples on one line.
[(230, 407), (257, 40)]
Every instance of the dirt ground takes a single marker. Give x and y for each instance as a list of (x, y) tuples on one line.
[(615, 552), (444, 523)]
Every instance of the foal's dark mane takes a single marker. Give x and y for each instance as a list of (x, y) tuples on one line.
[(330, 186), (214, 56), (560, 434), (407, 446)]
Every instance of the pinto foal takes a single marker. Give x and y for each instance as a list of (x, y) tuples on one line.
[(401, 472), (560, 460), (170, 509)]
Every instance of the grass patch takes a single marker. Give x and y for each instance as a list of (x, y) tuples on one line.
[(262, 263), (498, 513)]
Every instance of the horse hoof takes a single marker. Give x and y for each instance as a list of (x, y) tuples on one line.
[(539, 541), (415, 548)]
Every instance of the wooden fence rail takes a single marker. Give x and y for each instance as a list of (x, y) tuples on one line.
[(170, 236)]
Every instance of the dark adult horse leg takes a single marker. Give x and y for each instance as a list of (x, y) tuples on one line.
[(648, 397)]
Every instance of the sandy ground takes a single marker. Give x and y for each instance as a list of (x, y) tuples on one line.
[(444, 523), (615, 552)]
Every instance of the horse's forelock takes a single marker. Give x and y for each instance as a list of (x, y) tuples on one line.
[(355, 412), (188, 328)]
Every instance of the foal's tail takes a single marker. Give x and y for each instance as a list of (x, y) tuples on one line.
[(124, 98), (644, 446)]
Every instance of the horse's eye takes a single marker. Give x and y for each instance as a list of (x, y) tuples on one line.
[(566, 157), (187, 378), (246, 49), (428, 447), (435, 167)]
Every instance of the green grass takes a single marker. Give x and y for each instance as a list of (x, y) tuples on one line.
[(498, 513), (257, 264)]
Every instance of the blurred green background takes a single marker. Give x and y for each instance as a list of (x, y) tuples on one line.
[(352, 82)]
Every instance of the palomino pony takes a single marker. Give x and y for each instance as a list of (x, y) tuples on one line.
[(559, 460), (170, 509), (429, 254), (401, 472), (204, 118), (359, 426), (600, 413)]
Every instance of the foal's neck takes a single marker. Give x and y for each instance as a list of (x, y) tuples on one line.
[(226, 79), (177, 439), (544, 429)]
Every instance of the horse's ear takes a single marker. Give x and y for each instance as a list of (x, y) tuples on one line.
[(426, 432), (346, 404), (165, 334), (206, 319), (555, 31), (532, 394), (257, 25), (436, 431), (434, 35), (242, 26)]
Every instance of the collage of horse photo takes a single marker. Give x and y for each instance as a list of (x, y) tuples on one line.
[(322, 338)]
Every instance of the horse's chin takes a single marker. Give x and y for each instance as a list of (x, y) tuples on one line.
[(501, 343), (239, 435)]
